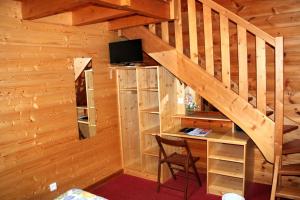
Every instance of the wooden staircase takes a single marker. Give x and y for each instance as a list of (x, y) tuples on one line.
[(264, 125)]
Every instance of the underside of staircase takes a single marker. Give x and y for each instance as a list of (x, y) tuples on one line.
[(257, 125)]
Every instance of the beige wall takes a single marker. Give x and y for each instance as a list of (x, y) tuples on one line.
[(38, 130)]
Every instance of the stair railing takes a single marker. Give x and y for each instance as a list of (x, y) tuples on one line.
[(268, 52)]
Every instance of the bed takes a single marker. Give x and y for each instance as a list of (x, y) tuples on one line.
[(78, 194)]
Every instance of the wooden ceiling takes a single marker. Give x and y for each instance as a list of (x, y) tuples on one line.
[(119, 13)]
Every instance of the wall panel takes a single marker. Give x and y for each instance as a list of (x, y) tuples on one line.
[(38, 130)]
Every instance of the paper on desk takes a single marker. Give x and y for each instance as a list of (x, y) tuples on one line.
[(199, 132)]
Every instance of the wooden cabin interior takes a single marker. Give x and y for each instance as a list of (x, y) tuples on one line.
[(72, 119)]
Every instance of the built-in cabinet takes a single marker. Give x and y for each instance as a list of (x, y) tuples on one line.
[(148, 102)]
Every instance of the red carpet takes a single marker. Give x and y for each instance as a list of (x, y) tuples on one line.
[(125, 187)]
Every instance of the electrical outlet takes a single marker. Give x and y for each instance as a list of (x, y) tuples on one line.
[(53, 186)]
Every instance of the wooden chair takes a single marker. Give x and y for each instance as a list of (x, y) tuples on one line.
[(184, 161)]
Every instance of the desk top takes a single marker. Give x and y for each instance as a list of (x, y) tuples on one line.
[(239, 138)]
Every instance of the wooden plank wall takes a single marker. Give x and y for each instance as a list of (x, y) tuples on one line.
[(38, 130)]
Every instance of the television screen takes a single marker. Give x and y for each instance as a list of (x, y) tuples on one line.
[(126, 52)]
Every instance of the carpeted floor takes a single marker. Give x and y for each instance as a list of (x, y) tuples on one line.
[(125, 187)]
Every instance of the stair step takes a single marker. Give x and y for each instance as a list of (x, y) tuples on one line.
[(291, 147), (289, 128), (292, 170), (269, 112), (288, 192)]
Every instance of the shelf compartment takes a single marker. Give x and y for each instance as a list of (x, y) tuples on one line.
[(147, 77), (148, 101), (150, 164), (219, 185), (152, 131), (226, 168), (214, 116), (133, 165), (130, 128), (154, 110), (127, 79), (152, 151), (228, 152)]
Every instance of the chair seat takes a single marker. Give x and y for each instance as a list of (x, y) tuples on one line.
[(178, 159)]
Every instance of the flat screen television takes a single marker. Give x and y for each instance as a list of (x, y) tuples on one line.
[(126, 52)]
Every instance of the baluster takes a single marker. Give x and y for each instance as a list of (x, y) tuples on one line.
[(178, 27), (242, 61), (165, 31), (193, 30), (261, 74), (152, 28), (179, 46), (209, 55), (225, 50), (279, 95)]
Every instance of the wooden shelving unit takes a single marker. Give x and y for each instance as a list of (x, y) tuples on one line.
[(140, 90), (226, 163)]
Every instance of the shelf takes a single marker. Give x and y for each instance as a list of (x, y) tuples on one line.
[(152, 151), (224, 136), (215, 116), (82, 107), (151, 89), (128, 89), (220, 185), (135, 165), (152, 131), (228, 152), (226, 168), (151, 163), (151, 110), (83, 121)]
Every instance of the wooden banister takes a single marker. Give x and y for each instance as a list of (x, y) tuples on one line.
[(240, 21)]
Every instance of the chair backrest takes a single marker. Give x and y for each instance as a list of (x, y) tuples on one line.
[(174, 143)]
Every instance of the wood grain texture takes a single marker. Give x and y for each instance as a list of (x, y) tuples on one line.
[(39, 137)]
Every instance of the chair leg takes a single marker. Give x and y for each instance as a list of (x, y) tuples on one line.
[(186, 182), (158, 177), (196, 174)]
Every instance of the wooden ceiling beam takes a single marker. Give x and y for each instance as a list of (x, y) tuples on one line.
[(95, 14), (131, 21), (150, 8), (34, 9)]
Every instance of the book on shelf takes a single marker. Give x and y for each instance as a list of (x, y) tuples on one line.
[(195, 131)]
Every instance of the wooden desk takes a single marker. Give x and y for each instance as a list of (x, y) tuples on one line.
[(226, 160)]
